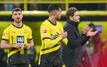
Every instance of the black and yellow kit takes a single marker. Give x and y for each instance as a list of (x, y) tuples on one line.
[(51, 39), (15, 35)]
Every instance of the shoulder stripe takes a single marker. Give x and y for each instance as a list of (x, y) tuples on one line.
[(30, 39), (46, 38), (5, 39)]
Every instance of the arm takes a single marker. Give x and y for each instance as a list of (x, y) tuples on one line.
[(64, 41), (5, 40), (46, 37), (30, 44), (73, 41), (84, 39), (5, 44), (50, 43)]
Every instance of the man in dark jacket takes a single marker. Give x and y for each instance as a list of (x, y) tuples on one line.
[(72, 52)]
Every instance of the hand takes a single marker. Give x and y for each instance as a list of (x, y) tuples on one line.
[(64, 35), (91, 34), (28, 46), (18, 46)]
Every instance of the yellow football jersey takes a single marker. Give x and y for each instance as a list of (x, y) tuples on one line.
[(17, 35), (50, 37)]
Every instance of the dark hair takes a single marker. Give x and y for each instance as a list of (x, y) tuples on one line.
[(71, 11), (16, 9), (91, 25), (53, 7)]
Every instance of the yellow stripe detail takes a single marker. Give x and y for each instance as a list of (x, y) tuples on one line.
[(39, 60), (13, 52), (21, 51), (49, 50)]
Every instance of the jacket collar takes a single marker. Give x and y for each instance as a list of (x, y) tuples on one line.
[(73, 23)]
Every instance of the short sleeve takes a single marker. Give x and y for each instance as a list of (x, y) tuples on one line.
[(29, 33), (5, 35), (45, 33)]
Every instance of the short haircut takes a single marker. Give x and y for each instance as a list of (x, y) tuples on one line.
[(91, 25), (16, 9), (71, 11), (53, 7)]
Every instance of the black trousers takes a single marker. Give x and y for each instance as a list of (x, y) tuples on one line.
[(74, 65), (17, 65), (53, 59), (72, 57)]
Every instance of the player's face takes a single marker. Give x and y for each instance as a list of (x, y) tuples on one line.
[(17, 16), (58, 14), (76, 17)]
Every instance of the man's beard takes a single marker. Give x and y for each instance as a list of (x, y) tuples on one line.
[(18, 20)]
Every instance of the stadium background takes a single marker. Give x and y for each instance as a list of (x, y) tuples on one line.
[(35, 12)]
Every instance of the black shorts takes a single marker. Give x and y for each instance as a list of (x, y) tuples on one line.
[(19, 59), (52, 59)]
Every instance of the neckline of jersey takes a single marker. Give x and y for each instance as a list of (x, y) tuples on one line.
[(52, 23), (18, 27)]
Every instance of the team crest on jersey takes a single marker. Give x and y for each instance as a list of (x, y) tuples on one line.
[(45, 31)]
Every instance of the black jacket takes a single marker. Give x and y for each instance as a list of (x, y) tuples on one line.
[(72, 52)]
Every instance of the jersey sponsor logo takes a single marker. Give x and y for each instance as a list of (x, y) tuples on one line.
[(20, 39), (54, 36)]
